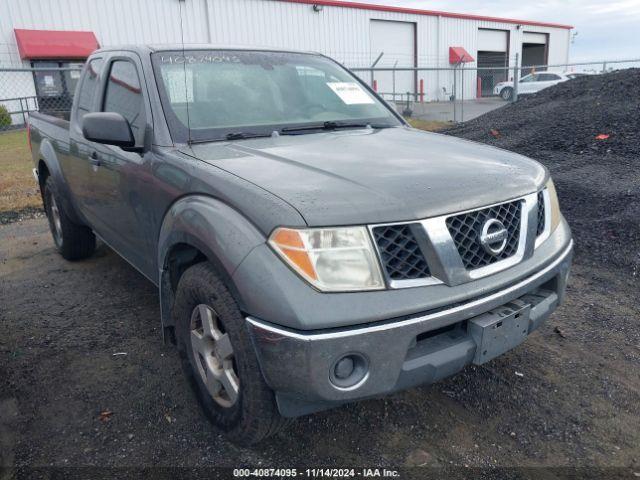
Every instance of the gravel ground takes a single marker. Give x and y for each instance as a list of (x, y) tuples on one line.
[(83, 338), (80, 340), (20, 215)]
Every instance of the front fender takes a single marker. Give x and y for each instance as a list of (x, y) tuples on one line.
[(217, 230)]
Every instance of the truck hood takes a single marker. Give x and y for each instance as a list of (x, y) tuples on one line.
[(373, 176)]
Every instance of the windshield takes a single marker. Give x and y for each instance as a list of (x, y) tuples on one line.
[(222, 93)]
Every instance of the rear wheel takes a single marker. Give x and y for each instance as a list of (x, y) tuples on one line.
[(219, 359), (74, 242), (506, 93)]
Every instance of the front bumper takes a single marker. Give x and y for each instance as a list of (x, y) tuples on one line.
[(399, 353)]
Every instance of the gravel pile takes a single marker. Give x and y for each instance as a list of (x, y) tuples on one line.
[(587, 132)]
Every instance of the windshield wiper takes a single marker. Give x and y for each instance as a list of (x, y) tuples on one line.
[(330, 126), (291, 131), (245, 135), (232, 136)]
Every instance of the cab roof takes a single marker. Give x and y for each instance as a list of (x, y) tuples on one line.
[(172, 47)]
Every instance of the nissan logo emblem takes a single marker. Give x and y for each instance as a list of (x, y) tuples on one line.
[(493, 237)]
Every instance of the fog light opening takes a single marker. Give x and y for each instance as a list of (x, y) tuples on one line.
[(344, 368), (349, 371)]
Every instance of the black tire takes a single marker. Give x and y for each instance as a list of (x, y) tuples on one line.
[(506, 93), (73, 242), (254, 414)]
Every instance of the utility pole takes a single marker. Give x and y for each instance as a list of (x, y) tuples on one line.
[(516, 78), (462, 95), (455, 92)]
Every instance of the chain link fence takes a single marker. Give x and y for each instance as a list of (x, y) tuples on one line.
[(24, 90), (439, 94), (463, 92)]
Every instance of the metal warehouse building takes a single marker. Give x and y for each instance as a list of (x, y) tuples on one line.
[(46, 33)]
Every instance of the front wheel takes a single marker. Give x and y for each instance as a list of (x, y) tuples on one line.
[(506, 93), (219, 359), (73, 242)]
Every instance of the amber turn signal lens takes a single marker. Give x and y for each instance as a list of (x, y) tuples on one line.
[(290, 244), (286, 237)]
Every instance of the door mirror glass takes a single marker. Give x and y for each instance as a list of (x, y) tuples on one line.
[(109, 128)]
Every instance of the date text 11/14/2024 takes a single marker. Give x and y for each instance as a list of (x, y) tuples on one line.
[(316, 473)]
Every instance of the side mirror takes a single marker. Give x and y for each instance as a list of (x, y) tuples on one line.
[(109, 128)]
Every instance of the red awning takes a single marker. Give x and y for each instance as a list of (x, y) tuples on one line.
[(459, 55), (40, 44)]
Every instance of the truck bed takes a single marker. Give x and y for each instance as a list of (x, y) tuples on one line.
[(55, 129)]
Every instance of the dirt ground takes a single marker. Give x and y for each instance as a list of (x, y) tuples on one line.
[(82, 338)]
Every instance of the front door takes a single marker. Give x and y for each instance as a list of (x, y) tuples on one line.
[(120, 178), (528, 83)]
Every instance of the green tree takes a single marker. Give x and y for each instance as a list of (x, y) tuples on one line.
[(5, 118)]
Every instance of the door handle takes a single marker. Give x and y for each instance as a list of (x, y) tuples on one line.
[(94, 159)]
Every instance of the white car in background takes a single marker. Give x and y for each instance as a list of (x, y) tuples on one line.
[(532, 83)]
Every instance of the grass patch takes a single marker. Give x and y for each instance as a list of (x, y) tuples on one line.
[(18, 189), (429, 125)]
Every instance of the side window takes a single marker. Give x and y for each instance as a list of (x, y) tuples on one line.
[(124, 96), (88, 89), (548, 77)]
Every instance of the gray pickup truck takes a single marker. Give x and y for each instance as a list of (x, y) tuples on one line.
[(309, 247)]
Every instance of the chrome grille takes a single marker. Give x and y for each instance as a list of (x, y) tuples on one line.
[(400, 252), (465, 230), (541, 214)]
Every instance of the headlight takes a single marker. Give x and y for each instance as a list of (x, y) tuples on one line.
[(553, 203), (330, 259)]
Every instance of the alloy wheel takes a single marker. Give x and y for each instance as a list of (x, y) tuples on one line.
[(54, 220), (214, 356)]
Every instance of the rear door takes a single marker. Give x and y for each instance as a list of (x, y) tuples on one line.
[(546, 80), (76, 164), (120, 178)]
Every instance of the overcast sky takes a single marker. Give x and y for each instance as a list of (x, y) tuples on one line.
[(606, 29)]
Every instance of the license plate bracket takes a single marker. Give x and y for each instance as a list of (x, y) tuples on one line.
[(499, 330)]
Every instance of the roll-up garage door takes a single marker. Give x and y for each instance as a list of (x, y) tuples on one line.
[(397, 40), (535, 50), (493, 58), (492, 40), (531, 37)]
